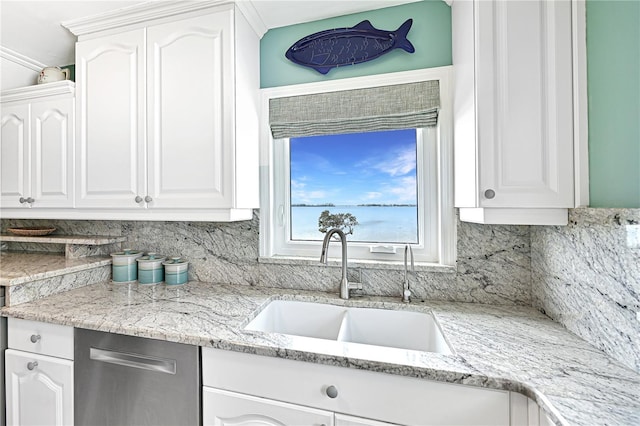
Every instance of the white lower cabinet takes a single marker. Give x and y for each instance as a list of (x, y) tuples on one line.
[(39, 386), (265, 389), (344, 420), (525, 412), (230, 408), (39, 389)]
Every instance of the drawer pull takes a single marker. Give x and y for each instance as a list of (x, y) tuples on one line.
[(35, 338), (32, 365), (332, 392)]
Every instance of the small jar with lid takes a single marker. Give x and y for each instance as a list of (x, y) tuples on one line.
[(123, 265), (150, 269), (176, 271)]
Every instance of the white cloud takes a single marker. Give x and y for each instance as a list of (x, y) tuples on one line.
[(373, 195), (301, 196), (404, 190), (395, 162), (296, 184), (401, 163)]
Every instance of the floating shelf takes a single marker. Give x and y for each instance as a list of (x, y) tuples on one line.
[(89, 240), (75, 245)]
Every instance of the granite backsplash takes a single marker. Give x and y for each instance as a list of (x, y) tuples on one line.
[(585, 275), (493, 261)]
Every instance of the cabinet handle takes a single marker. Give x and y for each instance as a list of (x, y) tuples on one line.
[(148, 199), (489, 194), (32, 365), (35, 338), (138, 199), (22, 200), (332, 392), (143, 362), (30, 200)]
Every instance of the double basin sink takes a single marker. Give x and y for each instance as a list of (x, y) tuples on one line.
[(369, 326)]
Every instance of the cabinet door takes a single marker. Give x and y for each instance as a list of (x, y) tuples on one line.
[(110, 143), (14, 156), (524, 103), (229, 408), (39, 389), (52, 153), (344, 420), (190, 120)]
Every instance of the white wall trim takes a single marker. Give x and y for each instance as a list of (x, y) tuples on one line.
[(47, 90), (253, 17), (447, 219), (580, 103), (20, 59)]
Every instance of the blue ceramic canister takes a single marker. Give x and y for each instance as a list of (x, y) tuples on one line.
[(150, 269), (123, 265), (176, 271)]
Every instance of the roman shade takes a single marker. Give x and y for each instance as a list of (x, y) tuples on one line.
[(401, 106)]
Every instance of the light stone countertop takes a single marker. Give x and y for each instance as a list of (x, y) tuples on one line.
[(20, 267), (501, 347), (63, 239)]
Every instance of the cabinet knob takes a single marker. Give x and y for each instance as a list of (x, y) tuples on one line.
[(35, 338), (138, 199), (148, 199), (32, 365), (332, 392), (22, 200), (489, 194), (30, 200)]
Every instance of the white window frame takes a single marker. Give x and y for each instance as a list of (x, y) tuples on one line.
[(435, 171)]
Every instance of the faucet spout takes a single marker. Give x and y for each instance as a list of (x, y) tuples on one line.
[(406, 289), (345, 285)]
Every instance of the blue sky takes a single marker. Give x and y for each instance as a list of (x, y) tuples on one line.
[(362, 168)]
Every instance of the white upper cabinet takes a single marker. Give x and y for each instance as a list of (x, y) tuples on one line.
[(36, 151), (187, 86), (168, 114), (513, 111), (111, 98)]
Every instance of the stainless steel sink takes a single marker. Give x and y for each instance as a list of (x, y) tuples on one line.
[(369, 326)]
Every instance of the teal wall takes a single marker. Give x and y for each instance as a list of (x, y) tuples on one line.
[(430, 34), (613, 58), (613, 70)]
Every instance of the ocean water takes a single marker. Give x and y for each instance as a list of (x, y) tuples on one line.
[(375, 224)]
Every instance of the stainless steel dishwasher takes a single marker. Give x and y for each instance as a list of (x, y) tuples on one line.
[(126, 380)]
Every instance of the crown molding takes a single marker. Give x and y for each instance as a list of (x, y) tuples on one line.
[(20, 59), (64, 87), (252, 16), (151, 10)]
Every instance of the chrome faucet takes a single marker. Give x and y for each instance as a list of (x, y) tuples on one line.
[(345, 285), (406, 290)]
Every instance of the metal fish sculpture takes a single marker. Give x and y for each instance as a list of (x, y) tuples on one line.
[(347, 46)]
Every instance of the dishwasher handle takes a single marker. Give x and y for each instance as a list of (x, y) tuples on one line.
[(144, 362)]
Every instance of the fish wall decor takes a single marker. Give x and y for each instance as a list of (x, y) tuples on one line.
[(338, 47)]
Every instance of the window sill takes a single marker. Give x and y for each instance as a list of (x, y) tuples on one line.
[(364, 264)]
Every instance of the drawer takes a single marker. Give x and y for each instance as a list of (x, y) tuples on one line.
[(354, 392), (40, 338)]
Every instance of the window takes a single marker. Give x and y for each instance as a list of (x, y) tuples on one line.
[(387, 187), (365, 183)]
